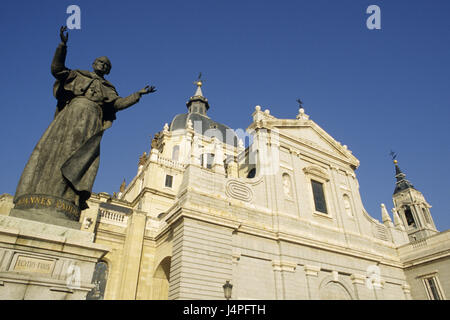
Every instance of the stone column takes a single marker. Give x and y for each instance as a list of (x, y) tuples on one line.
[(195, 152), (218, 165), (312, 280), (232, 169), (417, 213)]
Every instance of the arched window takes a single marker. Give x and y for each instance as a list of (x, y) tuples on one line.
[(99, 279), (175, 153), (409, 217)]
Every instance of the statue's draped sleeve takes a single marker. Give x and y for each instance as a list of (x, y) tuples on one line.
[(119, 103), (60, 72), (123, 103), (58, 68)]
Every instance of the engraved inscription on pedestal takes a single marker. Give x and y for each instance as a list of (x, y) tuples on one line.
[(33, 265)]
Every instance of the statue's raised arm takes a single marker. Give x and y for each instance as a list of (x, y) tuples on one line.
[(58, 67), (123, 103)]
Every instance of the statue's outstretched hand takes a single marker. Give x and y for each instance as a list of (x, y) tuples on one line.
[(64, 37), (146, 90)]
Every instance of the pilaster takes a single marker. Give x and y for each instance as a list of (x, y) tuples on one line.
[(378, 288), (359, 284), (312, 280), (407, 291), (279, 269), (132, 258)]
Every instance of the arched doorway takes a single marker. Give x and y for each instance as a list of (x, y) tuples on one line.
[(334, 291), (99, 280), (161, 277)]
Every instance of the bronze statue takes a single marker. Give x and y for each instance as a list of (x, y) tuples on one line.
[(61, 170)]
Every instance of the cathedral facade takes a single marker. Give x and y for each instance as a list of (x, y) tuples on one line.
[(279, 219)]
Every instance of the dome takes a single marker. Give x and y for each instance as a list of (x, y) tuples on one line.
[(205, 126), (202, 124)]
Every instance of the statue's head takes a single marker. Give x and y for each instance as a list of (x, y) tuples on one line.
[(102, 66)]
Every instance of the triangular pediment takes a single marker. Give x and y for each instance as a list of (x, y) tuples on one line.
[(309, 134), (312, 135)]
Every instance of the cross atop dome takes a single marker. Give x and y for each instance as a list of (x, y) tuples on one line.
[(199, 83)]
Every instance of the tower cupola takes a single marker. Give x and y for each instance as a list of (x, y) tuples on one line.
[(412, 208), (198, 103)]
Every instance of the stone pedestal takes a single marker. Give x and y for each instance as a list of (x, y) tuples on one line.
[(44, 261), (45, 216)]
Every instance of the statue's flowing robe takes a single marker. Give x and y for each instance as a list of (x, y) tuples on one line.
[(65, 161)]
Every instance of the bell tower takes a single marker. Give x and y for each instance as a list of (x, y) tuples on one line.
[(413, 209)]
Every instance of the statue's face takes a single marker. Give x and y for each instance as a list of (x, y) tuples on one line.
[(101, 66)]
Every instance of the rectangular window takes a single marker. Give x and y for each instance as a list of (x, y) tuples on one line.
[(319, 196), (169, 180), (432, 288)]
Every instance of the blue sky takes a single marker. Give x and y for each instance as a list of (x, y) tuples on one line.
[(373, 90)]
